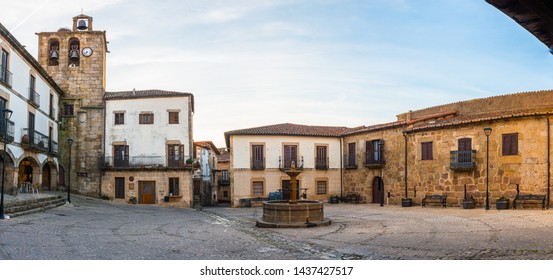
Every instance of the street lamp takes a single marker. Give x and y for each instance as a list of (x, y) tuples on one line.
[(69, 142), (7, 114), (487, 131), (381, 182)]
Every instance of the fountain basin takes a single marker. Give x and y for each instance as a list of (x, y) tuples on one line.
[(282, 214)]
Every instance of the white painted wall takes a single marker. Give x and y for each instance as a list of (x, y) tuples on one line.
[(241, 150), (148, 139)]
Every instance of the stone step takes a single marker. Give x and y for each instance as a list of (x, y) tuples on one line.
[(20, 208)]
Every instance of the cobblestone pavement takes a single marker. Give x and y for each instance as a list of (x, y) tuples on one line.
[(94, 229)]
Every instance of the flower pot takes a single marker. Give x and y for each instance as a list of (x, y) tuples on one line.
[(25, 139), (468, 203), (406, 202), (333, 200), (501, 204)]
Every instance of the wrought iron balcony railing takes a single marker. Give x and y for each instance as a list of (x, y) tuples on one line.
[(53, 149), (374, 159), (10, 130), (258, 164), (6, 76), (350, 162), (151, 161), (32, 139), (321, 163), (224, 178), (463, 160), (287, 163), (34, 97)]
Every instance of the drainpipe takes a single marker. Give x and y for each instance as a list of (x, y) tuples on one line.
[(548, 160), (341, 169), (405, 161)]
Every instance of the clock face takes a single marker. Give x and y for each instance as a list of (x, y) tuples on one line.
[(87, 51)]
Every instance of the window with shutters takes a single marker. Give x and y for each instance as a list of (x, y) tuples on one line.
[(174, 186), (146, 118), (321, 187), (175, 155), (426, 148), (374, 153), (257, 188), (119, 118), (68, 109), (510, 144), (173, 117), (351, 158), (258, 156), (121, 155), (290, 155), (321, 158)]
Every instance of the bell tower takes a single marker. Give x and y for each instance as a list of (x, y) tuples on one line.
[(76, 59)]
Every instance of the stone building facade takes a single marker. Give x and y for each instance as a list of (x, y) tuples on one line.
[(222, 177), (442, 149), (76, 59)]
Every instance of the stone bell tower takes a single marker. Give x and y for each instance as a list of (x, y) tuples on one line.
[(76, 60)]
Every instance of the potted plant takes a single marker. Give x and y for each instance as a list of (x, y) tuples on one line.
[(132, 200), (406, 202), (334, 199), (502, 203)]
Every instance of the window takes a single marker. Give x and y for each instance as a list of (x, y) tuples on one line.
[(373, 153), (321, 160), (146, 118), (121, 155), (225, 194), (258, 158), (119, 118), (426, 148), (225, 177), (175, 155), (5, 75), (174, 186), (52, 110), (321, 187), (290, 155), (510, 144), (34, 97), (352, 159), (68, 109), (257, 189), (173, 117)]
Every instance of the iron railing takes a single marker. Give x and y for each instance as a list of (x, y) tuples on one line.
[(350, 162), (34, 140), (224, 178), (52, 113), (34, 97), (53, 149), (10, 131), (151, 161), (374, 159), (287, 164), (463, 160), (321, 163), (6, 76), (258, 164)]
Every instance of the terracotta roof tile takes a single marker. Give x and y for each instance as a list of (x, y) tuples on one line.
[(132, 94)]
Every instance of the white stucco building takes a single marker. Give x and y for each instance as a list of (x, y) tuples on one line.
[(148, 140), (206, 158), (257, 154), (32, 95)]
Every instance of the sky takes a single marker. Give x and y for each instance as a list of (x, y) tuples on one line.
[(325, 62)]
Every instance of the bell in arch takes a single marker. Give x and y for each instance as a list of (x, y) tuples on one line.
[(74, 52), (81, 25), (54, 53)]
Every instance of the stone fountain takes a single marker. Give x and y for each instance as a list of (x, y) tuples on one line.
[(293, 213)]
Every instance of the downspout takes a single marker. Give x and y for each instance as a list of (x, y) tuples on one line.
[(405, 162), (341, 169), (548, 161)]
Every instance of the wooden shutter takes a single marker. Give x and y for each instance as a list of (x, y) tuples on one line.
[(426, 151), (290, 154), (351, 154), (257, 156), (181, 155), (465, 144), (510, 144)]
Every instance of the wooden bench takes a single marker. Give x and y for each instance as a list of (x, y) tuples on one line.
[(352, 197), (435, 198), (533, 198)]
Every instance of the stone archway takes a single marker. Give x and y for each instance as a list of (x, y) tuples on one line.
[(9, 184), (29, 171), (49, 176)]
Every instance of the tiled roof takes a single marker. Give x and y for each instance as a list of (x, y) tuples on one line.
[(131, 94), (363, 129), (224, 157), (289, 129)]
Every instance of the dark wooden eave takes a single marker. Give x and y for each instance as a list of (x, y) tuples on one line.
[(536, 16)]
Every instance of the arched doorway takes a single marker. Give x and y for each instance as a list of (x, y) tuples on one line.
[(61, 176), (378, 187), (10, 167), (28, 171), (48, 176)]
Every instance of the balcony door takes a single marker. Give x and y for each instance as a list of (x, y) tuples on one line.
[(31, 126), (290, 154), (465, 147)]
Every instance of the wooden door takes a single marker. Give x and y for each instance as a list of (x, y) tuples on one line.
[(465, 144), (290, 154), (146, 192), (119, 187), (377, 190)]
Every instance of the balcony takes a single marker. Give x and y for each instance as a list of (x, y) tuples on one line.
[(224, 179), (463, 160), (258, 164), (52, 113), (34, 140), (6, 76), (321, 163), (34, 98), (350, 163), (178, 162), (287, 164), (140, 162), (374, 160), (53, 148), (10, 132)]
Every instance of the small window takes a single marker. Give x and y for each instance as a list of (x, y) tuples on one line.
[(146, 118), (257, 189), (225, 194), (68, 109), (321, 187), (426, 151), (510, 144), (352, 158), (119, 118), (173, 117), (174, 186)]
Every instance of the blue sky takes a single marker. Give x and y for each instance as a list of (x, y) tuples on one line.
[(326, 62)]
